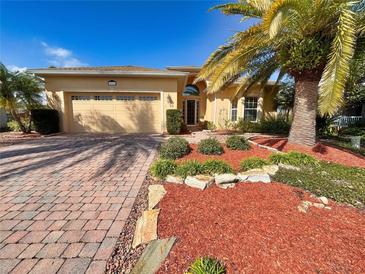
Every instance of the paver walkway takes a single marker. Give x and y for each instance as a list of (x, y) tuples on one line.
[(64, 200)]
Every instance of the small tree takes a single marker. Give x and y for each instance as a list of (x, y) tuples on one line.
[(19, 92)]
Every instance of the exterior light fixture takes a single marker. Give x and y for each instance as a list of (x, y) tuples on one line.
[(112, 83)]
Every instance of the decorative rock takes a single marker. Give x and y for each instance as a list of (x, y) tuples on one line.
[(290, 167), (225, 186), (154, 254), (241, 177), (265, 178), (253, 171), (318, 205), (270, 169), (146, 227), (323, 200), (304, 206), (199, 181), (155, 194), (225, 178), (327, 207), (174, 179)]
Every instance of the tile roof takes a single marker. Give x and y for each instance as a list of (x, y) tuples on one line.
[(106, 68)]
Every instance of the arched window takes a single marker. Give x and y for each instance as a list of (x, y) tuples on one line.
[(191, 90)]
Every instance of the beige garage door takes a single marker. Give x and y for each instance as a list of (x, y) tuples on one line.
[(116, 112)]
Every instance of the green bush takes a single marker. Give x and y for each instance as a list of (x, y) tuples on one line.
[(45, 121), (188, 168), (206, 265), (163, 167), (247, 127), (253, 162), (216, 167), (174, 121), (353, 131), (174, 148), (236, 142), (12, 125), (274, 125), (210, 146), (293, 158)]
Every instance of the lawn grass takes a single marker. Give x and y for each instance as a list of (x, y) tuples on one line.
[(338, 182)]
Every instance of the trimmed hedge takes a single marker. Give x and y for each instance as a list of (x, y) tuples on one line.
[(175, 147), (45, 121), (210, 146), (174, 121), (236, 142)]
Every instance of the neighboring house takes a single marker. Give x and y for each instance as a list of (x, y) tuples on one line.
[(133, 99)]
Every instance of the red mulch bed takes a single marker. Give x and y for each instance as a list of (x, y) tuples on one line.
[(256, 228), (320, 151), (233, 157)]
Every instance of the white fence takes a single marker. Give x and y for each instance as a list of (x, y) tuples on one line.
[(344, 121)]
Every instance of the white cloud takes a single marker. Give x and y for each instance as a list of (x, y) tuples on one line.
[(15, 68), (61, 57)]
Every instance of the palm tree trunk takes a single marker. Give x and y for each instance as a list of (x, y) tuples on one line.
[(17, 119), (303, 129)]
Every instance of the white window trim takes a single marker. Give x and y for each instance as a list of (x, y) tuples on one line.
[(257, 108), (230, 112)]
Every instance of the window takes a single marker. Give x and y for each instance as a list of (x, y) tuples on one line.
[(80, 98), (147, 98), (234, 110), (103, 98), (125, 98), (250, 112)]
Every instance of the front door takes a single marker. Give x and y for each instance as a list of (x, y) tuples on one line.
[(192, 109)]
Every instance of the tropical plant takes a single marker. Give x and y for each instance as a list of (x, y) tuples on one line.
[(284, 99), (189, 168), (293, 158), (19, 92), (214, 166), (311, 40), (207, 265), (210, 146), (253, 162), (163, 167)]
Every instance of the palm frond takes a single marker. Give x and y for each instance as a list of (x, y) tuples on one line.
[(238, 9), (261, 5), (332, 84)]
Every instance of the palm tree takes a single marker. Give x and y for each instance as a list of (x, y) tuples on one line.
[(311, 40), (19, 91)]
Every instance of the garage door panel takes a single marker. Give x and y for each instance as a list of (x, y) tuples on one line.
[(128, 114)]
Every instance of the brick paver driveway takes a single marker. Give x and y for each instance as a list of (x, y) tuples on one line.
[(64, 200)]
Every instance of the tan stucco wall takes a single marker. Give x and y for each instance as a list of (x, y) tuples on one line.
[(59, 89), (218, 109)]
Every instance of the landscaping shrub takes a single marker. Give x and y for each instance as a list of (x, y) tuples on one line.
[(174, 121), (236, 142), (353, 131), (175, 147), (341, 183), (206, 265), (274, 125), (45, 121), (293, 158), (210, 146), (216, 167), (12, 125), (253, 162), (188, 168), (247, 127), (163, 167)]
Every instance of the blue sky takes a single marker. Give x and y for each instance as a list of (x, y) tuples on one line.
[(95, 33)]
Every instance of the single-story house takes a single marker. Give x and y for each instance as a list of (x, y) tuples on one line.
[(132, 99)]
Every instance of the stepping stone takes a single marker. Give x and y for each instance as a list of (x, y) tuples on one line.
[(152, 257), (199, 181), (146, 227), (174, 179), (155, 194)]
